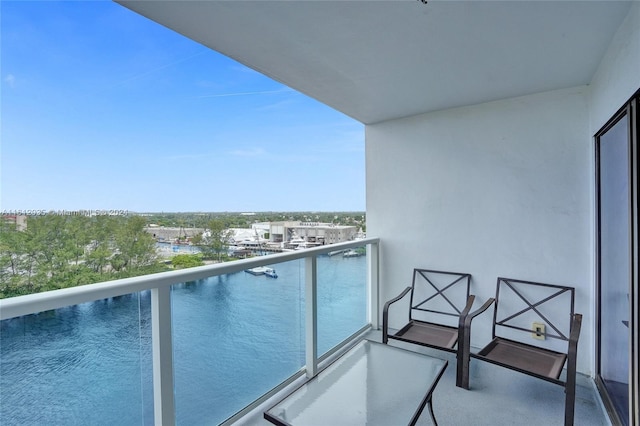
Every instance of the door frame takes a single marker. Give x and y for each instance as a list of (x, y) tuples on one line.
[(630, 109)]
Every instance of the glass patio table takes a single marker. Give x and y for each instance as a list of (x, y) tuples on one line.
[(371, 384)]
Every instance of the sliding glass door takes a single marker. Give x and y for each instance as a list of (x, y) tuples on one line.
[(617, 265)]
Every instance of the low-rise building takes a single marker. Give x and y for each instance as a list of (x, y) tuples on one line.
[(316, 233)]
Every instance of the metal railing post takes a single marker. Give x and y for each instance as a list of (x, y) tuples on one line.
[(311, 316), (373, 285), (163, 396)]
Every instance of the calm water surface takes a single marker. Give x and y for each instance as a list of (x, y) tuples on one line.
[(235, 337)]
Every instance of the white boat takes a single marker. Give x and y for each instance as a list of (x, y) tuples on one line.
[(270, 272), (258, 270), (297, 243), (351, 253), (262, 270)]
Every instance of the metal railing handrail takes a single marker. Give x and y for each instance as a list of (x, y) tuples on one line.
[(39, 302)]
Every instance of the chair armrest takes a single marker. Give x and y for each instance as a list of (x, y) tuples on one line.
[(464, 342), (576, 325), (462, 320), (467, 308), (464, 324), (572, 350), (481, 309), (385, 314), (572, 355)]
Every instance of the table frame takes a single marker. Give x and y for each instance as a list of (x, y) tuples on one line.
[(426, 401)]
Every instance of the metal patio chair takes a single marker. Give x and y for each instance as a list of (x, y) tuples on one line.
[(538, 334), (439, 301)]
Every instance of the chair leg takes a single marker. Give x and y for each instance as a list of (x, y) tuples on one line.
[(433, 417), (385, 325), (569, 404), (462, 372), (464, 342), (463, 356), (570, 385)]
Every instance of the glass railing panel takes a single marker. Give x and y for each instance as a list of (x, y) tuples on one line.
[(235, 337), (342, 297), (84, 364)]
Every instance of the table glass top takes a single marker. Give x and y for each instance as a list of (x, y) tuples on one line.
[(371, 384)]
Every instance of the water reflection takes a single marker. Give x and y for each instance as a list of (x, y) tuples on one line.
[(235, 337)]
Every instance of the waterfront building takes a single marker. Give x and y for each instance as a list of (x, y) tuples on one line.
[(172, 233), (18, 220), (294, 233)]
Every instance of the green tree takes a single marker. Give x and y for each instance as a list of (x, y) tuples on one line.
[(186, 261), (214, 240), (134, 246), (11, 259), (101, 245), (51, 244), (57, 251), (79, 230)]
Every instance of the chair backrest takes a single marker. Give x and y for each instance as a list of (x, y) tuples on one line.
[(438, 296), (534, 313)]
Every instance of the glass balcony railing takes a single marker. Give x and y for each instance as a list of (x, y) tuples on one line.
[(83, 364), (195, 346), (235, 337), (342, 297)]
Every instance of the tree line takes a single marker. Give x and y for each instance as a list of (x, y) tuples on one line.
[(243, 220), (56, 251), (60, 251)]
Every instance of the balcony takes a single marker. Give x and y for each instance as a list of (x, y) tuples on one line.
[(498, 397), (160, 333), (480, 155), (194, 346)]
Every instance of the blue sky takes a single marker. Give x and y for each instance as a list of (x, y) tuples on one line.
[(104, 109)]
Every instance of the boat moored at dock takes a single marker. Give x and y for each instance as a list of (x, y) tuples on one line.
[(270, 272), (263, 270)]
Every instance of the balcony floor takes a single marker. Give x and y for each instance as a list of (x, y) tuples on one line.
[(498, 396)]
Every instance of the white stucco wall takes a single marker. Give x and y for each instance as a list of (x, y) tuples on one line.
[(498, 189), (618, 76)]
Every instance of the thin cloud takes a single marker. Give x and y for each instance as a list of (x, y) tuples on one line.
[(276, 105), (260, 92), (10, 79), (186, 157), (244, 69), (255, 152), (153, 70)]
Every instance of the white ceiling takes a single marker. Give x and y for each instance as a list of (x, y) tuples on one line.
[(380, 60)]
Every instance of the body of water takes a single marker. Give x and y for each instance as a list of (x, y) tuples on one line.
[(173, 249), (235, 337)]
